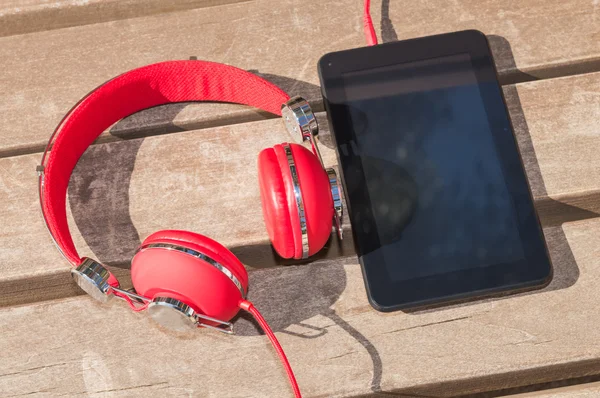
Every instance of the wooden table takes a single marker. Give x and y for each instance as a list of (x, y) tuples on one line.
[(193, 167)]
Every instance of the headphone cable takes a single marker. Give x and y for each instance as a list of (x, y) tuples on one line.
[(368, 25), (250, 308)]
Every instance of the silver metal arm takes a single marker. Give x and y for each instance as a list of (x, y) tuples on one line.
[(131, 295), (298, 118)]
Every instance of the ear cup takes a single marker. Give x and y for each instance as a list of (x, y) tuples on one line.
[(278, 201), (280, 209), (158, 272), (202, 244), (316, 194)]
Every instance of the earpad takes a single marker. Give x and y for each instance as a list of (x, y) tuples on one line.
[(280, 210), (277, 202), (176, 274)]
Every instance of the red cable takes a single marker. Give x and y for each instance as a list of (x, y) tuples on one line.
[(248, 306), (368, 25), (135, 308)]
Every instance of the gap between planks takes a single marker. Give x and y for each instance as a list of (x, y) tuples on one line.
[(143, 131)]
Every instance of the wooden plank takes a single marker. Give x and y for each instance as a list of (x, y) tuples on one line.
[(337, 344), (26, 16), (557, 135), (205, 181), (45, 73)]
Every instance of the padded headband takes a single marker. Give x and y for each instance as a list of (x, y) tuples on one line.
[(142, 88)]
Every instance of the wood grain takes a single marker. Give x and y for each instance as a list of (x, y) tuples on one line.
[(45, 73), (321, 315), (27, 16), (205, 181), (557, 138)]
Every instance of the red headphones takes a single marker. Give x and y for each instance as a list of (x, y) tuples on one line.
[(182, 278)]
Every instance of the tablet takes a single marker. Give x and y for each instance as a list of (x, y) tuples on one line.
[(435, 187)]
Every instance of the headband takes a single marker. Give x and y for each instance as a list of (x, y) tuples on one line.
[(136, 90)]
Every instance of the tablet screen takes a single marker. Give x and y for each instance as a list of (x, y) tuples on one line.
[(434, 183), (439, 198)]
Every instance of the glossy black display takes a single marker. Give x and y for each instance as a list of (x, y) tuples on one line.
[(437, 195)]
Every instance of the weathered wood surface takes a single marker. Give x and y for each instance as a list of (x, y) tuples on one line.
[(205, 181), (26, 16), (337, 344), (45, 73)]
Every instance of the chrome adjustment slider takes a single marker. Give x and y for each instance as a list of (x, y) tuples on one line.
[(299, 118), (92, 277)]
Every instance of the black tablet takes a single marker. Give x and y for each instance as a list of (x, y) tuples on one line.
[(439, 203)]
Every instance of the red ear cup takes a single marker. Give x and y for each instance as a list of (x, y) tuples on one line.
[(316, 194), (280, 209), (206, 285), (278, 202)]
